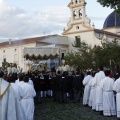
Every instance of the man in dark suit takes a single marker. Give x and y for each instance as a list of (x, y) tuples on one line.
[(63, 88), (70, 85), (77, 87)]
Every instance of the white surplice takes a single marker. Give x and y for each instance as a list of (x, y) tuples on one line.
[(59, 69), (19, 94), (86, 89), (63, 68), (92, 97), (7, 102), (9, 70), (99, 93), (116, 88), (27, 101), (108, 96), (14, 70), (93, 86), (30, 82)]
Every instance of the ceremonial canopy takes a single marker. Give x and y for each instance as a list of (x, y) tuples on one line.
[(40, 53)]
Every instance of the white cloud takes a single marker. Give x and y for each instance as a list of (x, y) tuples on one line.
[(18, 23), (15, 22)]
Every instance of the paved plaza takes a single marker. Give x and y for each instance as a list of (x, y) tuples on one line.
[(50, 110)]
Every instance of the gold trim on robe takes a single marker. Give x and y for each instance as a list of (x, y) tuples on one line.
[(1, 95)]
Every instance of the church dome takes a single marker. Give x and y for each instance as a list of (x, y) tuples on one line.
[(113, 20)]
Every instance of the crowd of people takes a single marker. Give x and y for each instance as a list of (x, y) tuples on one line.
[(16, 97), (19, 92), (102, 92)]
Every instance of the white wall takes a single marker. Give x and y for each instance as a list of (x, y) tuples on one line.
[(87, 37), (10, 54), (58, 40)]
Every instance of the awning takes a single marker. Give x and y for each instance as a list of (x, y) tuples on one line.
[(37, 53)]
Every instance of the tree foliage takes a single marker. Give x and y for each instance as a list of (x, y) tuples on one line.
[(82, 57), (115, 4), (107, 55)]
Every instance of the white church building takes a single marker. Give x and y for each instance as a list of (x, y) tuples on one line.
[(78, 29)]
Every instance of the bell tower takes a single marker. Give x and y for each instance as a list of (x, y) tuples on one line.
[(78, 15)]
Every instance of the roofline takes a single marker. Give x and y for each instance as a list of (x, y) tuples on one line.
[(106, 32), (25, 41)]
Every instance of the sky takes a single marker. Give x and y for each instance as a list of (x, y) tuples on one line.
[(32, 18)]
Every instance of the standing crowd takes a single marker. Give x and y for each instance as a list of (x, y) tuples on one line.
[(102, 92), (18, 92), (16, 97)]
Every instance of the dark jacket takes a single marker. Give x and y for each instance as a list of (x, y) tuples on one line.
[(63, 85), (77, 83)]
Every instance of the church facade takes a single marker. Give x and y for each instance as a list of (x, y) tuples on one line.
[(78, 29)]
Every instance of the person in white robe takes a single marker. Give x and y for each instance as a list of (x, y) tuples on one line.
[(92, 97), (17, 81), (86, 89), (59, 68), (67, 67), (9, 70), (27, 101), (7, 100), (108, 95), (30, 81), (14, 70), (20, 80), (116, 88), (99, 93), (63, 68), (19, 94), (93, 93)]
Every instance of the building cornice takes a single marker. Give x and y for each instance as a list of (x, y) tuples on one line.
[(107, 33), (77, 32), (66, 31)]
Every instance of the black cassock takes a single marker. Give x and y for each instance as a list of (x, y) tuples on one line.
[(47, 82), (42, 84), (70, 86), (77, 86), (63, 88), (70, 82), (63, 85), (77, 83), (36, 82)]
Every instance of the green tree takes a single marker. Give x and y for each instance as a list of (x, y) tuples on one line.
[(88, 57), (81, 58), (115, 4), (106, 53)]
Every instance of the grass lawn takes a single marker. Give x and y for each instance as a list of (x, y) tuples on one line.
[(50, 110)]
